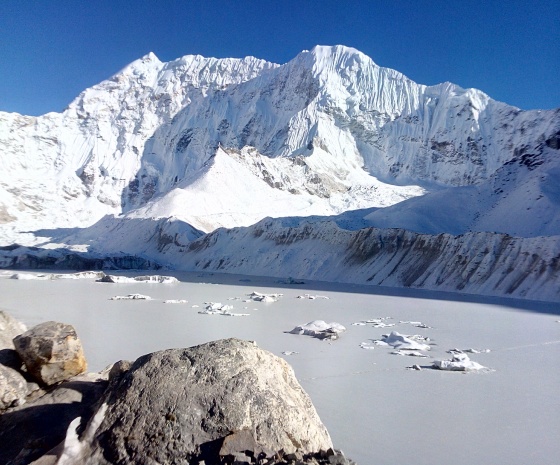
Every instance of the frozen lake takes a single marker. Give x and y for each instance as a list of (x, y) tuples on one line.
[(377, 411)]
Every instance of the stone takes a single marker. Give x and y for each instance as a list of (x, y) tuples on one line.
[(185, 406), (51, 352), (13, 388), (33, 430)]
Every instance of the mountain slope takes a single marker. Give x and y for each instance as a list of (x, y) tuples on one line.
[(145, 163)]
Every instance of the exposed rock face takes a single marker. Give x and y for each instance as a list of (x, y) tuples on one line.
[(13, 388), (183, 406), (52, 352)]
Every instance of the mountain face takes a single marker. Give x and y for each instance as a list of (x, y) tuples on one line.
[(162, 153)]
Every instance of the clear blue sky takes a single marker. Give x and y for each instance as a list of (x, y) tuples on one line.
[(51, 50)]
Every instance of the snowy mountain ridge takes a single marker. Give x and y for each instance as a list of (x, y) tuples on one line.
[(162, 153)]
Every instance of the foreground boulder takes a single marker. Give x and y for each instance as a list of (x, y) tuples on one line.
[(219, 402), (51, 352)]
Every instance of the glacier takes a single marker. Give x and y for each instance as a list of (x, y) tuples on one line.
[(327, 167)]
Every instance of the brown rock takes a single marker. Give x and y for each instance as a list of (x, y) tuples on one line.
[(52, 352)]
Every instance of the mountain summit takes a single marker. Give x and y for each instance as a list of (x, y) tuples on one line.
[(213, 143)]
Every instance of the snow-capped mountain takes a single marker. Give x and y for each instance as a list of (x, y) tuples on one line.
[(161, 153)]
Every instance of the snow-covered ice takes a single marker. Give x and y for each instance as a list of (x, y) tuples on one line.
[(406, 411), (259, 297), (152, 279), (320, 329), (131, 297), (217, 308), (400, 341), (459, 362)]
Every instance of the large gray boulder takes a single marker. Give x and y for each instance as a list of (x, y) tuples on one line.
[(51, 352), (221, 399)]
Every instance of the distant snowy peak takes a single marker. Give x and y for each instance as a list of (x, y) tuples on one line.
[(359, 114)]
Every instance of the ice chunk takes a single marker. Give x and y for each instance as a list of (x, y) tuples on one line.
[(131, 297), (258, 297), (409, 353), (320, 329), (400, 341), (459, 362), (312, 297), (216, 308), (175, 301)]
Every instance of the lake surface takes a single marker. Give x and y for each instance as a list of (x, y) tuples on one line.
[(376, 410)]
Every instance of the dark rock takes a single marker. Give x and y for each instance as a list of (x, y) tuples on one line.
[(51, 352)]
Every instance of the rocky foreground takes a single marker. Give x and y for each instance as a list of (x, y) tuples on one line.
[(224, 402)]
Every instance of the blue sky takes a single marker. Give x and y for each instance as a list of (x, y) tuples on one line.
[(51, 50)]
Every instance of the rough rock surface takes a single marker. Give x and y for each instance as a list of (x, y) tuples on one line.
[(184, 406), (13, 388), (30, 431), (51, 352)]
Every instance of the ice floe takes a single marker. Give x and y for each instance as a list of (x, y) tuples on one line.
[(375, 323), (400, 341), (157, 279), (217, 308), (290, 352), (312, 297), (459, 362), (469, 351), (175, 301), (55, 276), (418, 324), (320, 329), (409, 353), (131, 297), (258, 297)]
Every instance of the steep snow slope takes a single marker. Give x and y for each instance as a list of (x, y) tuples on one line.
[(70, 169), (522, 198), (238, 188), (479, 263), (361, 116)]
